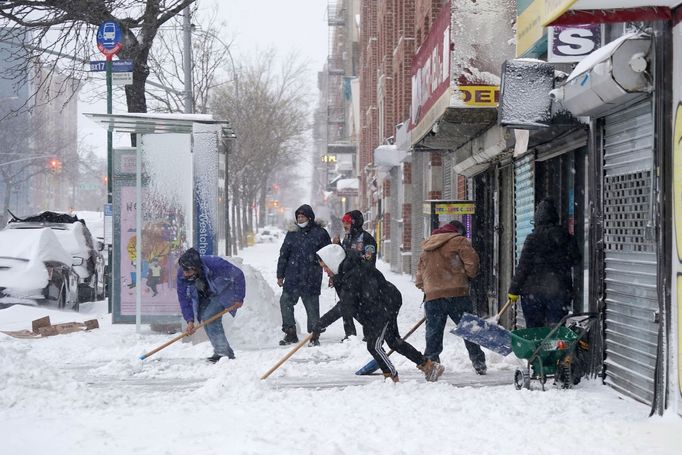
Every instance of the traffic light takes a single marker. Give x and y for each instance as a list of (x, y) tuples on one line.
[(55, 166)]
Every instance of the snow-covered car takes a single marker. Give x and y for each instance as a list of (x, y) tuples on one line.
[(267, 234), (35, 268), (76, 239)]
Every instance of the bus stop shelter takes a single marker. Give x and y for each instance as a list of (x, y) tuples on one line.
[(169, 194)]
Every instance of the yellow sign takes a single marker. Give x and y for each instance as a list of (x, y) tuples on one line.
[(480, 95), (451, 208), (554, 9), (328, 158), (529, 28)]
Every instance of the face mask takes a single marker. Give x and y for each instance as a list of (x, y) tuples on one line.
[(302, 225)]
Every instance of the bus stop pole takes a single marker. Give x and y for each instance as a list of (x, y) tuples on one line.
[(110, 135)]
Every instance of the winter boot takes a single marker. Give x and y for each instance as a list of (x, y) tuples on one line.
[(290, 337), (393, 378), (432, 370), (480, 368)]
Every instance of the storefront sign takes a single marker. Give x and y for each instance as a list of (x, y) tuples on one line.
[(480, 95), (572, 43), (431, 68), (450, 208), (554, 9), (529, 30)]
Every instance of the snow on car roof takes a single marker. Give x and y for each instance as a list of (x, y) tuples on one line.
[(33, 244)]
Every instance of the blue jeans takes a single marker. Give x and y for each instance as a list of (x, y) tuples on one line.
[(215, 330), (437, 312), (286, 305), (541, 311)]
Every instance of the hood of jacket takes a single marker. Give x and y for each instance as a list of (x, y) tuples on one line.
[(438, 240), (546, 213), (306, 210), (191, 258), (332, 255)]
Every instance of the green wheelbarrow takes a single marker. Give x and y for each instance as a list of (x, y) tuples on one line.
[(550, 351)]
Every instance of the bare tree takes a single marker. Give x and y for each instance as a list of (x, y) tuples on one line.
[(210, 55), (270, 115), (55, 32), (21, 160)]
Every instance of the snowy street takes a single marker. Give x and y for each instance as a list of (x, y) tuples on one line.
[(88, 393)]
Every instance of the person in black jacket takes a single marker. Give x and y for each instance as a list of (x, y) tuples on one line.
[(375, 303), (360, 242), (543, 276), (298, 272)]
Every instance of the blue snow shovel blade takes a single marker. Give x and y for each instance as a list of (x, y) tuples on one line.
[(484, 333), (369, 368)]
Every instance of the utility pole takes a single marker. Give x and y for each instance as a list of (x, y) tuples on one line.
[(187, 60)]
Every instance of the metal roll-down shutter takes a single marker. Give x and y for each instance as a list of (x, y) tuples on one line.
[(630, 260)]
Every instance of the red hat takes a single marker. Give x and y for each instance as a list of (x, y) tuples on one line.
[(347, 219)]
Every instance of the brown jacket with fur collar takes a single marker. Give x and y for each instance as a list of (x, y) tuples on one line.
[(446, 265)]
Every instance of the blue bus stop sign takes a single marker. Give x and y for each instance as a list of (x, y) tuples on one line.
[(109, 38)]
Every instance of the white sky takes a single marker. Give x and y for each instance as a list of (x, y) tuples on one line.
[(252, 26), (88, 392)]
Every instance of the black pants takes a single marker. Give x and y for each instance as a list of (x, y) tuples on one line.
[(388, 331), (348, 324)]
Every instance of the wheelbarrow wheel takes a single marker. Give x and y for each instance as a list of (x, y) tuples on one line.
[(521, 380)]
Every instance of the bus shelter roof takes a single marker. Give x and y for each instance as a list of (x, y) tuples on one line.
[(155, 123)]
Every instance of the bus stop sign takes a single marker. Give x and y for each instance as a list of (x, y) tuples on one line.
[(109, 38)]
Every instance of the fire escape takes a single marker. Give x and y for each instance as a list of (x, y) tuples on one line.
[(336, 116)]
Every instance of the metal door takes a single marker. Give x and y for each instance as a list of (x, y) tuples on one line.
[(630, 259)]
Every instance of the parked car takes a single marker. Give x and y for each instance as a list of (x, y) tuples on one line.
[(267, 234), (76, 239), (35, 267)]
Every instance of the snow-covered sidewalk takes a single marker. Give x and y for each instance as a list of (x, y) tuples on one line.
[(88, 393)]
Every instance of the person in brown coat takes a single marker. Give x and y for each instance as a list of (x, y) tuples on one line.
[(447, 263)]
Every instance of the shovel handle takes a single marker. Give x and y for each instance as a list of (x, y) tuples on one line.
[(502, 310), (286, 357), (184, 334)]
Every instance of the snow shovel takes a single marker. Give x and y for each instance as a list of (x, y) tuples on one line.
[(372, 365), (184, 334), (286, 357), (485, 332)]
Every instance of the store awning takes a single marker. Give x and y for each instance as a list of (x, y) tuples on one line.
[(388, 156), (572, 12), (348, 187), (458, 126)]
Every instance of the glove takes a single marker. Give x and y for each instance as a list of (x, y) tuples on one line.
[(314, 336), (513, 297)]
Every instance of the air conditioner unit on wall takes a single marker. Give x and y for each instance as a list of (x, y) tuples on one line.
[(608, 78)]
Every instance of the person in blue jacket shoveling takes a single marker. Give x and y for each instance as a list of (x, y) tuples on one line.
[(206, 286), (374, 302)]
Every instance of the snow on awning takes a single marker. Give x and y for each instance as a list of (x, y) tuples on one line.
[(157, 123), (348, 184), (388, 156)]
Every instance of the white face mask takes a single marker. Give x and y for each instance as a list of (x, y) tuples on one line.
[(302, 225)]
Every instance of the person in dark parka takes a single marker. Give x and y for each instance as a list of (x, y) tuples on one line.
[(359, 242), (375, 303), (543, 277), (299, 273)]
